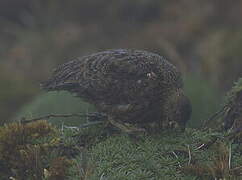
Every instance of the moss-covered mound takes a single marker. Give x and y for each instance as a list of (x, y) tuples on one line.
[(192, 155), (37, 150)]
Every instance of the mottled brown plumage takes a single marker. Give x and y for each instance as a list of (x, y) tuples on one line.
[(130, 86)]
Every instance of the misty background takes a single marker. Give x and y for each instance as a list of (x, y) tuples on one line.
[(202, 38)]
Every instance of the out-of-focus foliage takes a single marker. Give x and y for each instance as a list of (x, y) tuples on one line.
[(204, 97), (197, 36), (12, 94)]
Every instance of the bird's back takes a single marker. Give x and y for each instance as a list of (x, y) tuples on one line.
[(116, 77)]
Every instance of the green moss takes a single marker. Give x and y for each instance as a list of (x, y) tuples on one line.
[(165, 156), (169, 155)]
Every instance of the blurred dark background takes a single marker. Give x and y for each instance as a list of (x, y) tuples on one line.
[(202, 38)]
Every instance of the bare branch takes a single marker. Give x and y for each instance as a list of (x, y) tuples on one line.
[(23, 120)]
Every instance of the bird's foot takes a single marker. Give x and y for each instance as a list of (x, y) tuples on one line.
[(126, 127)]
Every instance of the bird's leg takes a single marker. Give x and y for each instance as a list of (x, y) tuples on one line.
[(126, 127), (120, 110)]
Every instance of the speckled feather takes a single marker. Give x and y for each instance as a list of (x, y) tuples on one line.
[(120, 82), (119, 76)]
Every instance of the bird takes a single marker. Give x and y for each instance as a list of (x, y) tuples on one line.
[(137, 90)]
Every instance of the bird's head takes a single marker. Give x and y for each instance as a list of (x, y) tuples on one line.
[(180, 109)]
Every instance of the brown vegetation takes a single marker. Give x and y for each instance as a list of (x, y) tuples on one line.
[(25, 151)]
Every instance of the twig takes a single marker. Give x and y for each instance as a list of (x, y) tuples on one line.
[(23, 120), (128, 129), (102, 176), (199, 147), (207, 145), (62, 128), (230, 155), (213, 116), (90, 124), (236, 168), (71, 127), (189, 154), (176, 158), (233, 133), (51, 116), (84, 125)]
